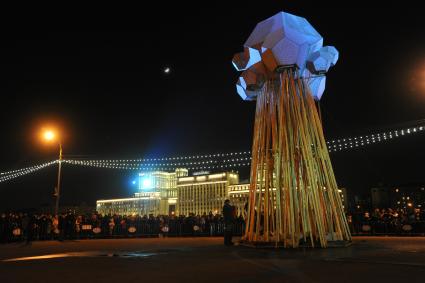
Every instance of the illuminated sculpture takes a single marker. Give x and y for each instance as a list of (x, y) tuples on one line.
[(294, 197)]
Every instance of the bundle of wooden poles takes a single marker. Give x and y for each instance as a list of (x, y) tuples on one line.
[(294, 197)]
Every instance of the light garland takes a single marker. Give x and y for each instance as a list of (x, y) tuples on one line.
[(158, 167), (179, 158), (5, 176), (208, 161), (227, 160), (2, 174), (348, 143)]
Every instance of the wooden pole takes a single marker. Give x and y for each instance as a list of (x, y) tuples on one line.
[(293, 193)]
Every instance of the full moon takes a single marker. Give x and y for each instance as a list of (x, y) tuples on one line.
[(167, 70)]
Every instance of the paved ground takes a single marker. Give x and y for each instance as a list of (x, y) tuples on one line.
[(369, 259)]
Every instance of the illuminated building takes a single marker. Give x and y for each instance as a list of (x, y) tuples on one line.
[(238, 196), (174, 193), (162, 187), (177, 193), (204, 193), (128, 206), (157, 195)]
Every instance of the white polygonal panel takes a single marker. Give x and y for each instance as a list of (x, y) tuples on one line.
[(317, 86), (332, 53), (275, 32), (286, 52), (281, 40), (320, 61)]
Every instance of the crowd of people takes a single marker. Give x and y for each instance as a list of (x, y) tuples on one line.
[(387, 221), (29, 227)]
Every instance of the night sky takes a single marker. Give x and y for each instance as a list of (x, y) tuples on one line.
[(99, 77)]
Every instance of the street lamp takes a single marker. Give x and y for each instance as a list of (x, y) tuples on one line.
[(50, 136)]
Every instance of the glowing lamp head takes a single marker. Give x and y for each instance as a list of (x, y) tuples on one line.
[(49, 135)]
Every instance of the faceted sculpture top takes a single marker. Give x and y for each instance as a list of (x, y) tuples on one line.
[(283, 40)]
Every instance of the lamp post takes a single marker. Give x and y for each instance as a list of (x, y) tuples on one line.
[(49, 136), (59, 179)]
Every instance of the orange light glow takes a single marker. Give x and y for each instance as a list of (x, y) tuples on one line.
[(49, 135)]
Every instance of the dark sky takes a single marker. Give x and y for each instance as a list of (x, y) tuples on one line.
[(98, 74)]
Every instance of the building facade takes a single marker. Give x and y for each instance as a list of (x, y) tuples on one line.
[(204, 193), (238, 196), (157, 195), (129, 206), (167, 193)]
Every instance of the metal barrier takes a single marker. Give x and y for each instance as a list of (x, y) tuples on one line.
[(380, 228), (155, 228), (89, 230), (171, 229)]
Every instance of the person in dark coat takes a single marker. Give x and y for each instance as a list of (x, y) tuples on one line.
[(69, 225), (3, 224), (31, 226), (228, 216)]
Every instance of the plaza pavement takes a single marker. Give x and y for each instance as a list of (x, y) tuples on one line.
[(368, 259)]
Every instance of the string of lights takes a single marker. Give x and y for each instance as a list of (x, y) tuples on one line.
[(162, 166), (185, 163), (2, 174), (5, 176), (210, 161), (359, 141), (178, 158), (226, 160)]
